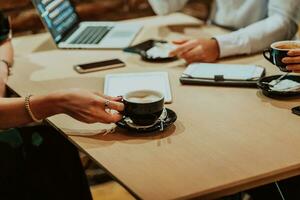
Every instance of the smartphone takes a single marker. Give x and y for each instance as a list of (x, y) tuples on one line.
[(97, 66)]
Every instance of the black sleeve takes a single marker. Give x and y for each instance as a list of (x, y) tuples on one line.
[(4, 27)]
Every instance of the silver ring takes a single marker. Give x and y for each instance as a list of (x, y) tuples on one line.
[(107, 102)]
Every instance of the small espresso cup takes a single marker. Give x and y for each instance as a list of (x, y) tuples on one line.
[(278, 51), (143, 107)]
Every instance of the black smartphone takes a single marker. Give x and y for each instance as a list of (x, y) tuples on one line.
[(97, 66)]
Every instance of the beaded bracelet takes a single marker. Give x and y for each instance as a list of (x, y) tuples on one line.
[(29, 111)]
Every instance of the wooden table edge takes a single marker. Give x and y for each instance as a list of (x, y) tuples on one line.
[(243, 185)]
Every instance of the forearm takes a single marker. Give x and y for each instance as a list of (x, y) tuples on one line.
[(2, 83), (14, 114), (6, 55), (163, 7), (7, 52), (257, 36)]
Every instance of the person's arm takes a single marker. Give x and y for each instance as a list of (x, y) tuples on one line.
[(6, 56), (82, 105), (163, 7), (279, 25)]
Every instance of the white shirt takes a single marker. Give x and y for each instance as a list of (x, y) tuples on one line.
[(258, 23)]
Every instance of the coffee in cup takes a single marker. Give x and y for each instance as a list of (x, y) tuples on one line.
[(143, 107), (278, 51)]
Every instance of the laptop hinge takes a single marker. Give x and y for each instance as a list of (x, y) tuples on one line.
[(69, 33)]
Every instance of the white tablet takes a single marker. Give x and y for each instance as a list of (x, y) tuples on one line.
[(228, 71), (119, 84)]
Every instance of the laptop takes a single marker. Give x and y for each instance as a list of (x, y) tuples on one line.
[(62, 21)]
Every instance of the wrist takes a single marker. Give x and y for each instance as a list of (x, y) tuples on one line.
[(45, 106), (59, 102)]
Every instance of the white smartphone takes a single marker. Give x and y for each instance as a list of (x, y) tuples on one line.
[(97, 66)]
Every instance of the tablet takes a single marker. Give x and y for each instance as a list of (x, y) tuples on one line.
[(120, 84), (237, 72)]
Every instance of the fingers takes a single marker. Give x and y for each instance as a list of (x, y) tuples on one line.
[(99, 113), (110, 117), (294, 68), (183, 48), (119, 98), (105, 118), (294, 52), (115, 106), (102, 116), (179, 42), (193, 55), (104, 96), (111, 102), (291, 59)]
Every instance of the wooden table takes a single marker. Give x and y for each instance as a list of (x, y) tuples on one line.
[(225, 139)]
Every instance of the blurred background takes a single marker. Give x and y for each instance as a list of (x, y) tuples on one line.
[(26, 21)]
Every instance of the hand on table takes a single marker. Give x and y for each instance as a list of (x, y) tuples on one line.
[(90, 107), (293, 60), (198, 50)]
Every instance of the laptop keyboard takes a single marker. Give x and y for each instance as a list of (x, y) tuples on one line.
[(91, 35)]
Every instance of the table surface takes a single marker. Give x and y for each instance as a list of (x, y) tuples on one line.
[(225, 139)]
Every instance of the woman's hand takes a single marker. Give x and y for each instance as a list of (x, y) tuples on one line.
[(199, 50), (6, 53), (82, 105), (293, 61), (90, 107)]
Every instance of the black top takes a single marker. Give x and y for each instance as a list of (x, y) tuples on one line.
[(4, 27)]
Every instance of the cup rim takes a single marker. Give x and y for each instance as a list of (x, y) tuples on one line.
[(161, 96), (284, 42)]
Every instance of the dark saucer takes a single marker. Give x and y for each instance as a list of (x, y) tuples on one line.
[(267, 91), (143, 47), (162, 124), (147, 58)]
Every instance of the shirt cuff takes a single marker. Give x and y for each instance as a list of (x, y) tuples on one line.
[(233, 44)]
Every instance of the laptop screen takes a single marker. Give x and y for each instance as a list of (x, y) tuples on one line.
[(58, 15)]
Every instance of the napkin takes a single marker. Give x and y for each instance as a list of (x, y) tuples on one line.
[(285, 85), (74, 127), (160, 50)]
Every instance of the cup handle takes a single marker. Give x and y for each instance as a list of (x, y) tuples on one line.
[(267, 55)]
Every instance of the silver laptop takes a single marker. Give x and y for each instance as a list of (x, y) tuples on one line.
[(62, 21)]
